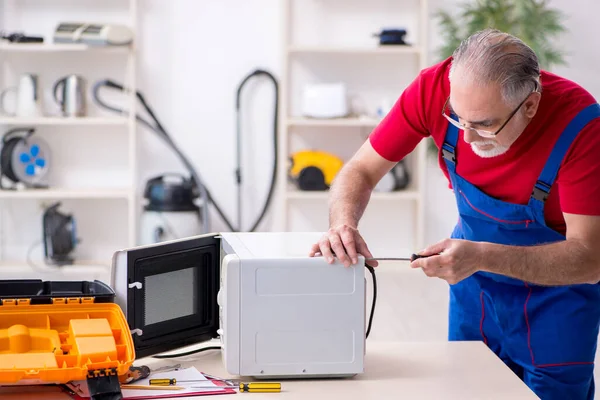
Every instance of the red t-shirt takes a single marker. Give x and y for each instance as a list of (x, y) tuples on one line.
[(510, 177)]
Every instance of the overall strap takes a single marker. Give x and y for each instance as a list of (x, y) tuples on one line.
[(449, 146), (548, 175)]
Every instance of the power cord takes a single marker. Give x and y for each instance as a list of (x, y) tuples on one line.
[(371, 270), (188, 353)]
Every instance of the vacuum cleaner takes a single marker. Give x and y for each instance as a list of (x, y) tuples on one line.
[(171, 210), (60, 236), (167, 198)]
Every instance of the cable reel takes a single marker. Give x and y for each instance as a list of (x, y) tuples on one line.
[(24, 159)]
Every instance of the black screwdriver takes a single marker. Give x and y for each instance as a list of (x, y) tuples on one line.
[(411, 259)]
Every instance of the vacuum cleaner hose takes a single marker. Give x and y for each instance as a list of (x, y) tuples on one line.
[(204, 193), (270, 76)]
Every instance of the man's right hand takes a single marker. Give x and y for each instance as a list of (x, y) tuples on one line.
[(343, 242)]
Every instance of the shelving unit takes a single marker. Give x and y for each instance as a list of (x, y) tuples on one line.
[(93, 158), (59, 121), (328, 41), (347, 122), (101, 193), (57, 47), (414, 50)]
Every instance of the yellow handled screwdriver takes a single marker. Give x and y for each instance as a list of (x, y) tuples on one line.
[(260, 387), (251, 387), (164, 382)]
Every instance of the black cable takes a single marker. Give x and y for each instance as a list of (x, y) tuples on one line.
[(372, 271), (188, 353), (161, 131), (257, 72), (158, 129)]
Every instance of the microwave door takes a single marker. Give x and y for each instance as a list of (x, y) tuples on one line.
[(170, 292)]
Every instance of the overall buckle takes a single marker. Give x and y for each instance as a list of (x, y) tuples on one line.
[(448, 152), (540, 191)]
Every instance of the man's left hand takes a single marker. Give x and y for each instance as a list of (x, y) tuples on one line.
[(451, 260)]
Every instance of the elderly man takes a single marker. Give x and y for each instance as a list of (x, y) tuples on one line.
[(521, 150)]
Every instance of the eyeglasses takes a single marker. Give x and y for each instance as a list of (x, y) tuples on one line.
[(482, 132)]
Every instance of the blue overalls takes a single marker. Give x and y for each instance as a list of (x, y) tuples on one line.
[(546, 335)]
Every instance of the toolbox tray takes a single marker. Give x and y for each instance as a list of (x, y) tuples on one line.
[(42, 292), (57, 332)]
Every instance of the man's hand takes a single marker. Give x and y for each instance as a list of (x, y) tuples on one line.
[(451, 260), (348, 198), (343, 242)]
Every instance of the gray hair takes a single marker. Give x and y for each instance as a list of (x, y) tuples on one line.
[(492, 56)]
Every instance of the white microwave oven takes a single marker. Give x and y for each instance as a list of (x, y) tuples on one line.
[(276, 311)]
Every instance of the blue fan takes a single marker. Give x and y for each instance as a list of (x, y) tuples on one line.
[(33, 160), (25, 158)]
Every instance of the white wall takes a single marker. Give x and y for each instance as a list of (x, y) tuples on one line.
[(193, 54), (190, 75)]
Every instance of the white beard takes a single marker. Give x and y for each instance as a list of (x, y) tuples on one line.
[(493, 152)]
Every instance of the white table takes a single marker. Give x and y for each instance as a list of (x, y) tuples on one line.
[(427, 370)]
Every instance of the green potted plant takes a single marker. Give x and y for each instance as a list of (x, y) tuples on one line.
[(533, 21)]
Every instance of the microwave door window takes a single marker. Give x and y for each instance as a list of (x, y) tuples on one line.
[(170, 295), (177, 299)]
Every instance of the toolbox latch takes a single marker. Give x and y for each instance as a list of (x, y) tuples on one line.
[(15, 302), (72, 300), (103, 384)]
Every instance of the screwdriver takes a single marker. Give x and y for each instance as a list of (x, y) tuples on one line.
[(252, 387), (172, 381), (142, 372), (411, 259)]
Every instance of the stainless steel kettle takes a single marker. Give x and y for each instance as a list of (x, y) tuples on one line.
[(73, 91)]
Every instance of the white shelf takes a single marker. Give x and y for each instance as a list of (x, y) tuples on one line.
[(324, 195), (58, 47), (66, 194), (89, 190), (41, 264), (80, 270), (307, 60), (87, 121), (348, 122), (391, 49)]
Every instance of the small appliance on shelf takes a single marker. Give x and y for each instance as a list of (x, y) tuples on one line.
[(93, 34), (325, 100), (391, 36)]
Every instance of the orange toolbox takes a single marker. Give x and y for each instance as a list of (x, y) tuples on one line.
[(57, 332)]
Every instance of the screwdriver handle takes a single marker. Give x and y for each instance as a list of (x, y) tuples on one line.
[(260, 387), (163, 382), (416, 256)]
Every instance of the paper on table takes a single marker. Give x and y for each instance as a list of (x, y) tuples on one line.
[(180, 375)]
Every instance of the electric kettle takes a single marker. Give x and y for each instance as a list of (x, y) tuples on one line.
[(72, 100)]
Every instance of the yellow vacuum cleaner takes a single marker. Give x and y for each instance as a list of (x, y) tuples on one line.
[(314, 169)]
